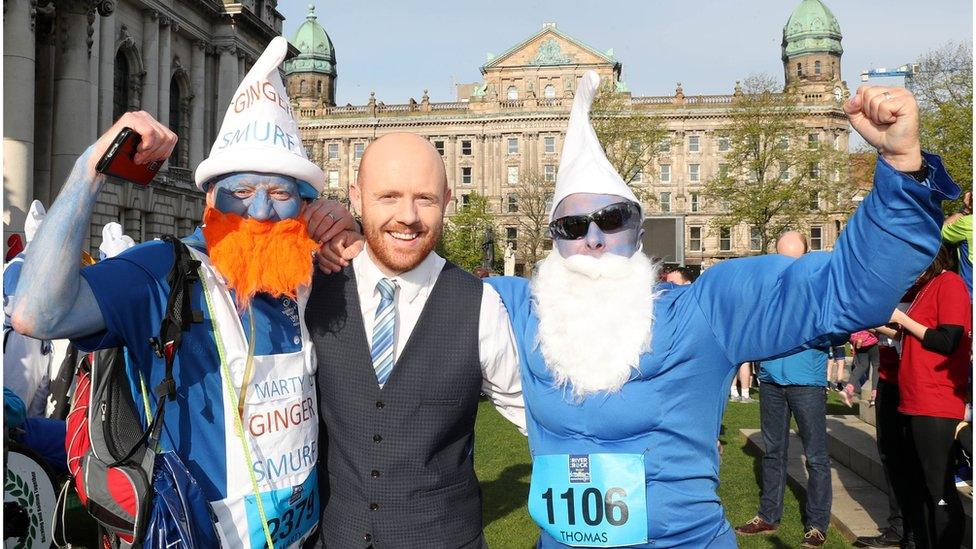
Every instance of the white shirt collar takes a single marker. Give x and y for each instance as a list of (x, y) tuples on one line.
[(410, 282)]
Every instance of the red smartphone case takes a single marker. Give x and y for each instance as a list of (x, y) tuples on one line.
[(118, 160)]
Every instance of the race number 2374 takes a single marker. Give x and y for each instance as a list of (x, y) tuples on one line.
[(590, 500)]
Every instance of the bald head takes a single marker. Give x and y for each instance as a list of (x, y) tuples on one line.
[(404, 156), (792, 244)]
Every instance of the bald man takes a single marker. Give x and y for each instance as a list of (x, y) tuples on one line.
[(405, 342), (794, 384)]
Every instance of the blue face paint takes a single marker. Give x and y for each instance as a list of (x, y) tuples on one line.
[(596, 242), (260, 196)]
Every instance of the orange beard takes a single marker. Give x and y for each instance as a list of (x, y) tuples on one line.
[(272, 257)]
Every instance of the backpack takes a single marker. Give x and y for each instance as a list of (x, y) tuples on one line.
[(133, 491)]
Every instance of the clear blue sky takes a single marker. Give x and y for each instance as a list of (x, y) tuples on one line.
[(400, 48)]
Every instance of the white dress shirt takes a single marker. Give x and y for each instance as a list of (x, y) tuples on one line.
[(502, 382)]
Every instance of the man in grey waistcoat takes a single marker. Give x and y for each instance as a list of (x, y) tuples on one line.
[(406, 342)]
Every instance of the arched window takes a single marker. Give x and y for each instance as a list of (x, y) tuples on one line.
[(549, 91), (512, 93), (176, 121), (318, 87), (120, 86), (799, 69), (816, 67), (303, 87)]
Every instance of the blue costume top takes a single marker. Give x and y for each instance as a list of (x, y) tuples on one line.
[(807, 367), (669, 414)]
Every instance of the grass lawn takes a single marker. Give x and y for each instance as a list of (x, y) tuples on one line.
[(502, 463)]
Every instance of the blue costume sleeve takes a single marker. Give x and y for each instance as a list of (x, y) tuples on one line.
[(514, 292), (768, 306), (130, 290)]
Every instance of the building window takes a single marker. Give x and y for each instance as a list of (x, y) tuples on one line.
[(753, 176), (512, 93), (465, 147), (694, 143), (120, 86), (799, 69), (549, 91), (723, 170), (318, 88), (816, 238), (303, 87), (513, 203), (784, 172), (784, 142), (695, 239), (511, 236), (638, 177), (512, 145), (816, 67), (755, 239), (549, 172), (355, 175), (465, 200), (439, 145), (333, 149), (333, 179), (665, 173), (666, 202), (813, 140), (665, 145), (176, 122), (694, 172), (724, 144), (466, 175), (814, 171), (549, 144), (513, 175), (357, 150), (725, 239), (695, 204), (814, 201)]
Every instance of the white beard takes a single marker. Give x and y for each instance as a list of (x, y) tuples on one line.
[(595, 318)]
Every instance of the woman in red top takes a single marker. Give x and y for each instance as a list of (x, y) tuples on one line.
[(933, 379)]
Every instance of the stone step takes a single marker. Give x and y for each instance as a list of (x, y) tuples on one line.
[(857, 507)]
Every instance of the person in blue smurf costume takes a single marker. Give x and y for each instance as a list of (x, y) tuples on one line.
[(625, 380)]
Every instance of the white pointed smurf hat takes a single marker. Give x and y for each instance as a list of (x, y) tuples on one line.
[(114, 241), (35, 216), (259, 132), (583, 166)]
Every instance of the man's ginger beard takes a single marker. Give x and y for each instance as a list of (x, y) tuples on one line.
[(595, 318), (396, 261), (272, 257)]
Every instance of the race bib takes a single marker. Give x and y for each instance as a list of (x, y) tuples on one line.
[(590, 500), (291, 512)]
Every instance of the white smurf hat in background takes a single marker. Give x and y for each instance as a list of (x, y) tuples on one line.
[(583, 166), (35, 216), (114, 241), (259, 132)]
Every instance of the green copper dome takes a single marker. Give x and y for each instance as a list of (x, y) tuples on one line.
[(315, 47), (811, 29)]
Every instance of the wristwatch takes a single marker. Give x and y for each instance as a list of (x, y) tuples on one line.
[(920, 174)]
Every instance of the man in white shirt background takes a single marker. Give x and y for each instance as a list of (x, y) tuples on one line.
[(406, 342)]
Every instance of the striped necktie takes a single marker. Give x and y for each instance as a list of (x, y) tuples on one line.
[(384, 331)]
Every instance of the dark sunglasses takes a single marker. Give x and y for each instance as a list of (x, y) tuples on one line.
[(610, 219)]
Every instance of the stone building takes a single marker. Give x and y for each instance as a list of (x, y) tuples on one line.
[(513, 121), (71, 67)]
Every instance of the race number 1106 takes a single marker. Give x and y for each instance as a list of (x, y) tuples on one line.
[(595, 506)]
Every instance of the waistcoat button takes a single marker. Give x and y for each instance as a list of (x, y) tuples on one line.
[(377, 438), (374, 473)]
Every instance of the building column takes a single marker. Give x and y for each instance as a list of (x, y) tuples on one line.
[(227, 80), (18, 110), (241, 71), (150, 58), (165, 67), (106, 71), (72, 92), (197, 64), (94, 46), (43, 110)]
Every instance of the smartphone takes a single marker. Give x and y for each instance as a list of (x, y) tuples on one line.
[(118, 160)]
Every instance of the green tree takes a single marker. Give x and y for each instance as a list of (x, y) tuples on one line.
[(631, 137), (464, 234), (944, 90), (774, 177)]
